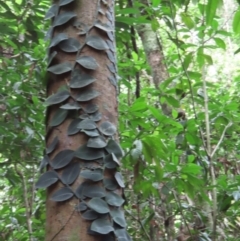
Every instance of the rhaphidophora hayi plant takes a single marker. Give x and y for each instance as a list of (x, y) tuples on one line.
[(82, 154)]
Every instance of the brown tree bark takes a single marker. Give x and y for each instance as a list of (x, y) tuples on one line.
[(92, 141)]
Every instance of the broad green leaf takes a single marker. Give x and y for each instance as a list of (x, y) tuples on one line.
[(63, 18), (60, 68), (236, 21)]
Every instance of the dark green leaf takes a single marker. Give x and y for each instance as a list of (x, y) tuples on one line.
[(110, 184), (70, 173), (73, 127), (58, 117), (87, 125), (52, 12), (114, 199), (89, 154), (102, 226), (95, 175), (91, 133), (90, 108), (118, 217), (52, 146), (57, 98), (97, 142), (87, 62), (71, 106), (107, 128), (60, 68), (63, 18), (82, 206), (111, 161), (87, 95), (57, 39), (90, 215), (47, 179), (51, 57), (45, 161), (113, 147), (62, 159), (79, 80), (122, 235), (97, 116), (65, 2), (98, 205), (103, 26), (62, 194), (97, 42), (119, 179), (70, 45)]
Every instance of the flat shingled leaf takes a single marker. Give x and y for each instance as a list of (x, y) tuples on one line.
[(97, 142), (91, 133), (45, 161), (57, 39), (52, 12), (65, 2), (111, 161), (110, 184), (82, 206), (71, 106), (98, 205), (89, 154), (57, 98), (52, 146), (58, 117), (122, 235), (107, 128), (84, 116), (110, 36), (113, 147), (90, 108), (62, 194), (49, 34), (118, 217), (97, 116), (119, 179), (87, 125), (102, 226), (91, 191), (70, 45), (96, 42), (60, 68), (70, 173), (87, 62), (51, 57), (103, 26), (62, 159), (73, 127), (114, 199), (90, 215), (87, 95), (47, 179), (80, 80), (93, 175), (111, 56), (110, 45), (63, 18)]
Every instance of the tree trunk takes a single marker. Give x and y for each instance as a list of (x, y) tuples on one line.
[(84, 197)]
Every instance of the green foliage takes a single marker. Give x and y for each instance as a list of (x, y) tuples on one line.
[(165, 163)]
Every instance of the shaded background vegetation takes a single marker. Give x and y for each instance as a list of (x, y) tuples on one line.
[(179, 127)]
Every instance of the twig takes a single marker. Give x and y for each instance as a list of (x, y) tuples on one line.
[(220, 140), (140, 225)]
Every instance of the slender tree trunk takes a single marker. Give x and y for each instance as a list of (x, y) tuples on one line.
[(84, 196)]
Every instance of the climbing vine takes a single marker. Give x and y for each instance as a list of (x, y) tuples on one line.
[(99, 198)]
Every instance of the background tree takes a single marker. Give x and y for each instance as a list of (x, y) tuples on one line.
[(168, 156)]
